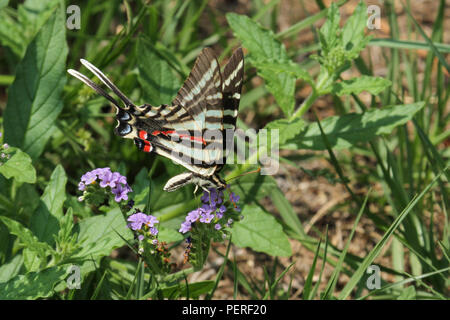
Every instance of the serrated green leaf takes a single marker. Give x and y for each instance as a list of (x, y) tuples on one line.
[(289, 67), (353, 38), (288, 129), (263, 46), (345, 131), (34, 99), (45, 220), (374, 85), (99, 235), (328, 33), (261, 232), (33, 285), (155, 75), (19, 167)]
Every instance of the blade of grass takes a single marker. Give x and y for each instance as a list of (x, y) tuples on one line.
[(376, 250)]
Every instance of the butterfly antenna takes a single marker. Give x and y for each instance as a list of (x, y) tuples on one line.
[(244, 174), (107, 82), (93, 85)]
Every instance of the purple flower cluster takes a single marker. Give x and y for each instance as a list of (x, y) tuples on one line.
[(4, 156), (213, 209), (114, 180), (142, 222)]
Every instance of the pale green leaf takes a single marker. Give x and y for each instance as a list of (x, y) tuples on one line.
[(11, 268), (261, 232), (287, 129), (99, 235), (33, 285), (263, 46), (374, 85), (19, 167), (345, 131)]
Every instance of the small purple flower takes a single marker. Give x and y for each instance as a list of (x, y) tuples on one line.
[(5, 146), (80, 199), (234, 197), (218, 226), (109, 179), (81, 186), (194, 215), (3, 155), (205, 197), (100, 172), (88, 177), (141, 237), (155, 242), (221, 211), (1, 134), (121, 192), (185, 227), (137, 220), (206, 217), (152, 220), (153, 231)]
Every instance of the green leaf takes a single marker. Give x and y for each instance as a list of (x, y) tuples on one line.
[(19, 167), (34, 100), (374, 85), (328, 33), (260, 42), (99, 235), (263, 46), (353, 37), (11, 268), (26, 237), (18, 28), (288, 129), (345, 131), (45, 220), (261, 232), (155, 75), (33, 285), (253, 187), (32, 261), (169, 235), (289, 67)]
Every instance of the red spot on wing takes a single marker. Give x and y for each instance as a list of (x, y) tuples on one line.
[(142, 135), (148, 147)]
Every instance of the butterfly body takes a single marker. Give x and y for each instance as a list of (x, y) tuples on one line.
[(192, 131)]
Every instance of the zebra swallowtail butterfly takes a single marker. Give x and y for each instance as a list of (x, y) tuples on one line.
[(192, 131)]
